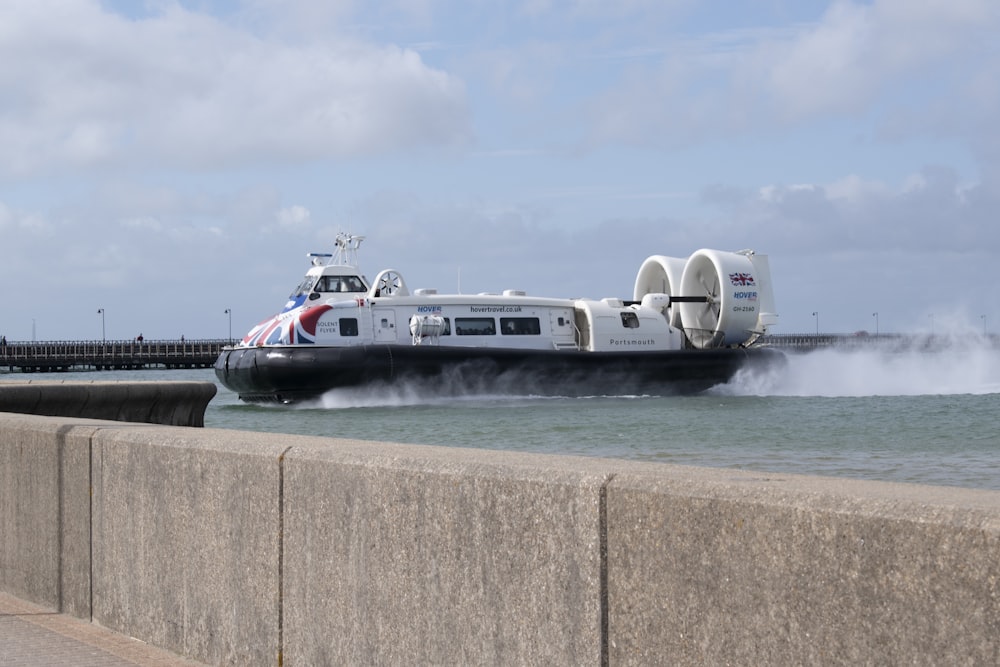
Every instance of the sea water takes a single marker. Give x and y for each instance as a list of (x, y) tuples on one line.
[(905, 416)]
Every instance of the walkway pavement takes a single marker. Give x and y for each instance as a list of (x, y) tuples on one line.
[(32, 636)]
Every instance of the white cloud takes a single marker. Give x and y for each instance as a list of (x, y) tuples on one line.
[(773, 193), (855, 50), (294, 216), (928, 211), (823, 69), (92, 87), (145, 223), (853, 188), (296, 16), (910, 65), (17, 223)]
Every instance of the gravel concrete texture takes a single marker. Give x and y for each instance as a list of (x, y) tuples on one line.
[(172, 403), (35, 636), (399, 554), (724, 567), (186, 534), (240, 548), (45, 511)]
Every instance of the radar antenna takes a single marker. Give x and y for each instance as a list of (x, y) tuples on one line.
[(347, 249)]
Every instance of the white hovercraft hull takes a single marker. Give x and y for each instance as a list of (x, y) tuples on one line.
[(338, 330)]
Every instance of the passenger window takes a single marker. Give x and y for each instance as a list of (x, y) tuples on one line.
[(348, 326), (520, 326), (475, 326)]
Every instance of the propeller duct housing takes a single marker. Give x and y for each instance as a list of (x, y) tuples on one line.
[(732, 289), (661, 275)]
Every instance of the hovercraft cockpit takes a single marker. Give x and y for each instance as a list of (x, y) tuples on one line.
[(331, 273)]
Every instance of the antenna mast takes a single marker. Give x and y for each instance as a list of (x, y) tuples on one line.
[(347, 249)]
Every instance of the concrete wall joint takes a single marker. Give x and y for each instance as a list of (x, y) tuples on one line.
[(60, 515), (603, 545), (281, 555), (90, 528)]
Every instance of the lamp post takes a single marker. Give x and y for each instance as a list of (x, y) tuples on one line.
[(875, 315), (229, 312), (816, 315), (104, 337)]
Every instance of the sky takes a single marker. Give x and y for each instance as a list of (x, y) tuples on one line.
[(169, 160)]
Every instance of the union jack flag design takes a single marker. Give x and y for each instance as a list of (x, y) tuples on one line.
[(298, 328), (307, 320), (741, 279)]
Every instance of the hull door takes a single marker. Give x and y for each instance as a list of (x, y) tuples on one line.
[(384, 322), (565, 335)]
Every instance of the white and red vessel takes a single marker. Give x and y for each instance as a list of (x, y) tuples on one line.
[(690, 324)]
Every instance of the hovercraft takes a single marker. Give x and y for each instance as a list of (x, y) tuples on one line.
[(691, 324)]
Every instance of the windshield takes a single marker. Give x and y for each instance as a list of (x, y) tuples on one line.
[(304, 287), (340, 284)]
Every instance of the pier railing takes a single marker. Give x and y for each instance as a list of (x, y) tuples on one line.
[(885, 341), (108, 355)]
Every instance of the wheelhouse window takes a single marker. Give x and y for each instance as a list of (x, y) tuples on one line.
[(304, 287), (348, 326), (475, 326), (630, 320), (520, 326), (340, 284)]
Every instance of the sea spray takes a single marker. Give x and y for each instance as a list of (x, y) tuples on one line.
[(930, 365)]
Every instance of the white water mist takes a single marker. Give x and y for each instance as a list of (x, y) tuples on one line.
[(938, 365)]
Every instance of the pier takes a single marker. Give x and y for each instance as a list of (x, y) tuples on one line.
[(116, 355), (888, 342)]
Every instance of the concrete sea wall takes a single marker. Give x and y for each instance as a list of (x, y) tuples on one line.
[(174, 403), (239, 548)]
